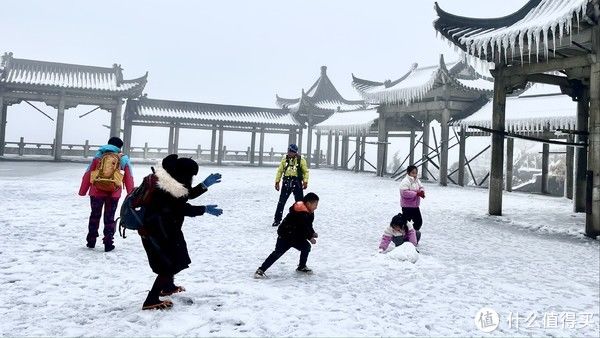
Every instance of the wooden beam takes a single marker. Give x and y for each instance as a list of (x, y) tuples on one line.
[(548, 66), (419, 107)]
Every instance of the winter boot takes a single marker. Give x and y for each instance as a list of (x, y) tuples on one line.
[(90, 244), (108, 247), (161, 305), (171, 290), (259, 274), (275, 223), (304, 269)]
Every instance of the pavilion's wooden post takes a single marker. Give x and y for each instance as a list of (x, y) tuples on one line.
[(171, 138), (115, 120), (213, 142), (252, 145), (462, 156), (382, 138), (21, 146), (86, 149), (569, 169), (198, 152), (127, 130), (579, 193), (329, 140), (510, 146), (292, 136), (363, 144), (220, 154), (345, 151), (176, 140), (444, 145), (145, 150), (318, 152), (3, 118), (271, 155), (545, 165), (60, 121), (357, 154), (411, 154), (425, 142), (498, 124), (300, 140), (261, 147), (592, 224), (336, 150), (309, 145)]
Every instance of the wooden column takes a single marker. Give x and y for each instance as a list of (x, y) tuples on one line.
[(60, 121), (411, 154), (213, 142), (252, 145), (381, 146), (3, 118), (592, 224), (444, 145), (498, 123), (292, 137), (569, 169), (220, 154), (545, 165), (115, 120), (170, 149), (357, 154), (363, 144), (462, 156), (510, 145), (317, 159), (261, 147), (299, 141), (345, 151), (127, 131), (336, 150), (579, 193), (425, 142), (176, 140), (309, 146), (329, 140)]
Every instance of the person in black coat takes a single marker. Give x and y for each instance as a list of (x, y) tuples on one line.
[(296, 231), (171, 188)]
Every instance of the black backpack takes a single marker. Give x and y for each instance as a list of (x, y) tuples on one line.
[(299, 173), (134, 206)]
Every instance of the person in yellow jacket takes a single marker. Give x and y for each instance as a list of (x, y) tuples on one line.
[(294, 171)]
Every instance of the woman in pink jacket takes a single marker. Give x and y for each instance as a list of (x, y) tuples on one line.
[(411, 192), (105, 199), (399, 231)]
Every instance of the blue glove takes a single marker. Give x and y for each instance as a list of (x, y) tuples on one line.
[(212, 179), (213, 210)]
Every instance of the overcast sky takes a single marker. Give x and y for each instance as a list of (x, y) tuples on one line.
[(232, 52)]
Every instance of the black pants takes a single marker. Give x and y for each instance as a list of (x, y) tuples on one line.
[(413, 214), (282, 246), (288, 186)]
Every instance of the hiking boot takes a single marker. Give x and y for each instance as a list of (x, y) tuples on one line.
[(162, 305), (275, 223), (304, 269), (259, 274), (90, 245), (108, 247)]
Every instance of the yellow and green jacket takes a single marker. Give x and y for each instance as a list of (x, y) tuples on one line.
[(291, 166)]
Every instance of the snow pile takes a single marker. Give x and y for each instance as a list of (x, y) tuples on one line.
[(405, 252)]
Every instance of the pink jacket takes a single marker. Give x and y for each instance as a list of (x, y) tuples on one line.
[(409, 187), (389, 233), (86, 185)]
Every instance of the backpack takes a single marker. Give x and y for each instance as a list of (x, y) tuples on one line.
[(107, 176), (133, 208), (289, 161)]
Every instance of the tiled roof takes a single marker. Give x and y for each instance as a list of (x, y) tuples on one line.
[(153, 109), (53, 75)]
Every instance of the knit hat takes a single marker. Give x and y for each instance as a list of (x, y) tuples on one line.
[(115, 141), (293, 148), (181, 169), (398, 220)]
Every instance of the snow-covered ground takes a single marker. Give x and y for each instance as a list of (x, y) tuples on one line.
[(531, 261)]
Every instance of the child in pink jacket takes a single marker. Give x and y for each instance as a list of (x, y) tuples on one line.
[(399, 231), (411, 193)]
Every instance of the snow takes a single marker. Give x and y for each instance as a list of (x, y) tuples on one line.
[(530, 113), (337, 105), (533, 259), (350, 122)]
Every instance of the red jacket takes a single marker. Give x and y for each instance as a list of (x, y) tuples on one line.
[(86, 185)]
